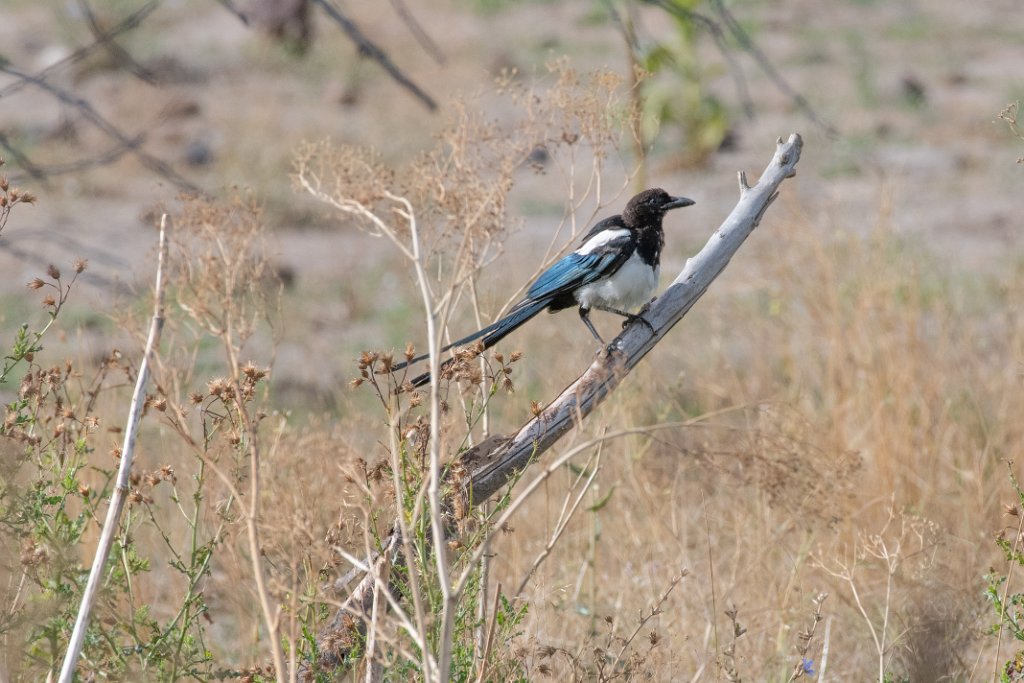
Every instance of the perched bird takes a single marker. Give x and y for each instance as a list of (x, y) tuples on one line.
[(615, 269)]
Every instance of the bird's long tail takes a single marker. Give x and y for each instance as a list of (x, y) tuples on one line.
[(489, 335)]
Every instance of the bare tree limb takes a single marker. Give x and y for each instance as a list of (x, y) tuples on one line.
[(130, 22), (495, 462), (122, 483), (117, 53), (91, 115), (748, 44), (750, 47), (418, 32), (367, 48)]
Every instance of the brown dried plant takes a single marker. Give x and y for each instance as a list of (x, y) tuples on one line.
[(446, 214)]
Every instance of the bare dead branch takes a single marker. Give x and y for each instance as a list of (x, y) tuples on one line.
[(90, 114), (122, 483), (31, 170), (495, 462), (44, 173), (130, 22), (367, 48), (751, 48), (116, 52), (418, 32), (230, 7)]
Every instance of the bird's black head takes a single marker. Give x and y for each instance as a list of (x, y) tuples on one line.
[(649, 207)]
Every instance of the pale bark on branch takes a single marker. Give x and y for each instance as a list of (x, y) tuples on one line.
[(494, 463)]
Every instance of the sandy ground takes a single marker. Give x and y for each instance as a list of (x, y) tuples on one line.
[(914, 89)]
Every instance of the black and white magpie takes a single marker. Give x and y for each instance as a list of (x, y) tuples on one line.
[(615, 269)]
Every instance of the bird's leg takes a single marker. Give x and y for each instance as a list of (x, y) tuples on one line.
[(630, 317), (647, 306), (585, 317)]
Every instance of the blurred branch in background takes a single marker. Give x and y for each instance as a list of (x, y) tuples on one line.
[(129, 143), (120, 55), (289, 21), (671, 80)]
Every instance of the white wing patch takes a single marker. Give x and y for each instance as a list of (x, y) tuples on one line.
[(626, 289), (600, 239)]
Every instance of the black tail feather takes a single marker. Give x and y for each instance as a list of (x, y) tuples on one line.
[(489, 335)]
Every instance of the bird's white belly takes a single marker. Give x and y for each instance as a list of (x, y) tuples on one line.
[(630, 287)]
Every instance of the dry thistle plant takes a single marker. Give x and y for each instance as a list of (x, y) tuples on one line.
[(11, 197)]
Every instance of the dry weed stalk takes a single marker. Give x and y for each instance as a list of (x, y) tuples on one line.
[(10, 197), (219, 278), (805, 666), (121, 487), (903, 539)]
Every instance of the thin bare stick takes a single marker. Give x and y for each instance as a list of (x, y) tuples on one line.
[(491, 628), (822, 670), (119, 495), (564, 518), (644, 618), (130, 22), (367, 48), (418, 32)]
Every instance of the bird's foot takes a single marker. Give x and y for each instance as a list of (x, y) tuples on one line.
[(639, 319)]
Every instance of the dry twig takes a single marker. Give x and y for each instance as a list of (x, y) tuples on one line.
[(121, 485)]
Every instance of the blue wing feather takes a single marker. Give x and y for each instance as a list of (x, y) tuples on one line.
[(575, 270)]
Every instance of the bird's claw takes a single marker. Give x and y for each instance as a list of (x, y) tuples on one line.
[(639, 319)]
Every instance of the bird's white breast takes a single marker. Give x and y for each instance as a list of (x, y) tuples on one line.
[(630, 287)]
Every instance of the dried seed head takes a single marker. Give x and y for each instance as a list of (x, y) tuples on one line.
[(49, 301), (516, 355), (195, 397), (37, 283), (1011, 509), (81, 264), (53, 271), (410, 351)]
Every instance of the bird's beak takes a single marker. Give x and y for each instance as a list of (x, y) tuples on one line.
[(678, 203)]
